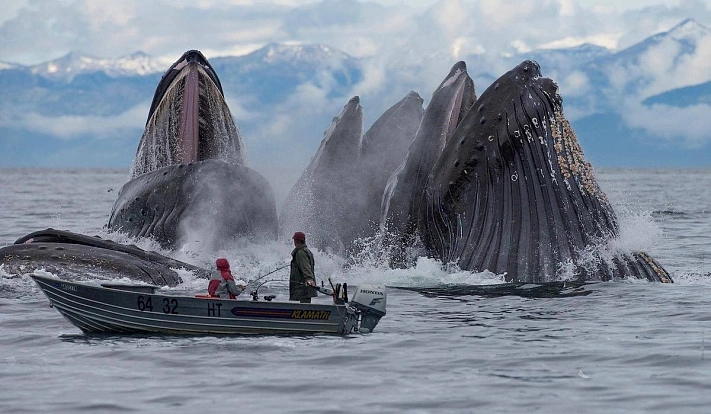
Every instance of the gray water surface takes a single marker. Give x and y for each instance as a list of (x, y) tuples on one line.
[(625, 347)]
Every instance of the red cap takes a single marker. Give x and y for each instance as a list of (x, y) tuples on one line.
[(299, 236), (222, 264)]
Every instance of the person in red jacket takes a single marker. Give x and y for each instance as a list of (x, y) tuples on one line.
[(222, 284)]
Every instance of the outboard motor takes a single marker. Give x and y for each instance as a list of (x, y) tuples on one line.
[(370, 301)]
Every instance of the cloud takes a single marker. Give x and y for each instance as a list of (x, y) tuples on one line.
[(667, 63), (636, 25), (688, 127), (112, 29), (669, 66), (575, 83), (72, 127), (34, 31)]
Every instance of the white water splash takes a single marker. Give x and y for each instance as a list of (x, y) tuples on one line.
[(638, 232)]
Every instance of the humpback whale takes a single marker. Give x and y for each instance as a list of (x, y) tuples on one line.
[(188, 119), (401, 199), (336, 199), (512, 193), (76, 256), (384, 145), (189, 180), (319, 200)]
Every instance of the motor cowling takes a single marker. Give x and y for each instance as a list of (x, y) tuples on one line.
[(370, 300)]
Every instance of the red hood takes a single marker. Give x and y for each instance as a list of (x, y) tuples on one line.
[(222, 264)]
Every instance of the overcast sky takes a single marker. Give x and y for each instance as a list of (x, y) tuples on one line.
[(35, 31)]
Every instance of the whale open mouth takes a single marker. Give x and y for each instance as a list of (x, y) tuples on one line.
[(189, 119), (194, 57), (190, 78)]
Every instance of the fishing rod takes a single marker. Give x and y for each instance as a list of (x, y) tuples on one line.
[(265, 275)]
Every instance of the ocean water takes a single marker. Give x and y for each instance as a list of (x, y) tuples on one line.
[(625, 347)]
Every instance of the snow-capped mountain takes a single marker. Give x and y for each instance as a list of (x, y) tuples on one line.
[(278, 53), (688, 31), (669, 60), (683, 97), (281, 94), (74, 63), (577, 56), (275, 71)]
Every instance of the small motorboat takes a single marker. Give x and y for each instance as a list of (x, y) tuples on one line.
[(144, 309)]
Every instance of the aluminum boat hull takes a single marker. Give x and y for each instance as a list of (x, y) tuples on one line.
[(138, 309)]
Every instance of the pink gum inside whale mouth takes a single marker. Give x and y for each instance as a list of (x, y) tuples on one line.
[(188, 136)]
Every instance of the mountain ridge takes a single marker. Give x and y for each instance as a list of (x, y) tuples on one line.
[(285, 95)]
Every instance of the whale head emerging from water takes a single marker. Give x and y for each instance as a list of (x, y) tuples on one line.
[(512, 193), (188, 120), (337, 198), (319, 200), (402, 197), (189, 182)]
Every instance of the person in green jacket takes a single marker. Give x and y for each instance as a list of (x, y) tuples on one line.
[(301, 278)]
